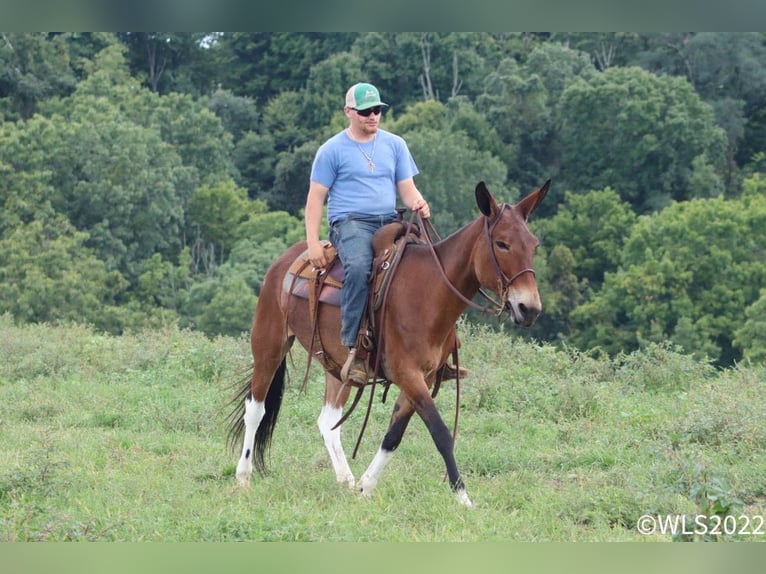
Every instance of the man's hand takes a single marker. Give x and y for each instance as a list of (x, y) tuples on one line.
[(317, 255), (421, 206)]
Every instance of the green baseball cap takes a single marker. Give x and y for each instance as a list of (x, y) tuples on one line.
[(362, 96)]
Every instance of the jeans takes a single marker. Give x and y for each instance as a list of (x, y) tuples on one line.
[(352, 238)]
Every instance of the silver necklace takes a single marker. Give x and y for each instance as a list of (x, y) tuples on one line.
[(370, 163)]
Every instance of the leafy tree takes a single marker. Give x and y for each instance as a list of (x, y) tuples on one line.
[(83, 47), (324, 96), (250, 259), (450, 167), (238, 114), (506, 100), (291, 179), (195, 133), (172, 62), (216, 212), (462, 115), (124, 161), (264, 64), (558, 66), (603, 49), (728, 71), (420, 66), (698, 261), (452, 64), (520, 103), (48, 274), (561, 291), (33, 67), (718, 64), (637, 133), (267, 225), (594, 227), (224, 302), (422, 115), (24, 196), (255, 158), (393, 62), (220, 306), (282, 120), (113, 179), (751, 336), (163, 284), (582, 242), (754, 141)]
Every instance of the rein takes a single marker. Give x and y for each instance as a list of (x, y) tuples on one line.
[(505, 282)]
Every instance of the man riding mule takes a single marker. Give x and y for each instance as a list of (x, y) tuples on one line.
[(359, 171), (433, 285)]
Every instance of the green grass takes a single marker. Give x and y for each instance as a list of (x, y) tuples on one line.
[(123, 438)]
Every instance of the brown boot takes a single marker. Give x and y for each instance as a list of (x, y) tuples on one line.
[(354, 371)]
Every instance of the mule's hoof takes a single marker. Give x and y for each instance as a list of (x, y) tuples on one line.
[(366, 486), (462, 498), (243, 478), (349, 481)]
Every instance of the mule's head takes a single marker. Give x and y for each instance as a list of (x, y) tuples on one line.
[(504, 259)]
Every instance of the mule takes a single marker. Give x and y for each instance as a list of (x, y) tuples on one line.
[(433, 285)]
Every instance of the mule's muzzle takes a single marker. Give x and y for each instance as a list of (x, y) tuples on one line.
[(523, 314)]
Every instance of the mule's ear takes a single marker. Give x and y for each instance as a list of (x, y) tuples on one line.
[(485, 201), (530, 202)]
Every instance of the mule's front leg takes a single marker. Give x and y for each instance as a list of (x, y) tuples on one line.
[(445, 445), (254, 412), (403, 411)]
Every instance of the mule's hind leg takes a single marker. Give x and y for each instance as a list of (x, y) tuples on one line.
[(336, 395), (254, 412), (403, 410), (269, 344)]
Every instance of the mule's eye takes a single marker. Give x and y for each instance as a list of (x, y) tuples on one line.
[(502, 245)]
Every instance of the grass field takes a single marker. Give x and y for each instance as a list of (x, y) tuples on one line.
[(123, 439)]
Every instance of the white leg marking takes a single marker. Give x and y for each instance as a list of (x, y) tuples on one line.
[(462, 498), (327, 419), (254, 412), (371, 476)]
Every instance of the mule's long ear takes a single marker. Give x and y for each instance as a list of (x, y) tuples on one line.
[(485, 201), (530, 202)]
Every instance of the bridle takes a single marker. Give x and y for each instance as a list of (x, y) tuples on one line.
[(505, 282)]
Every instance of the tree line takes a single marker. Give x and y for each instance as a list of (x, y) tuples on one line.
[(151, 178)]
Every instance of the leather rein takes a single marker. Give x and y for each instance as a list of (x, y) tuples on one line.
[(505, 282)]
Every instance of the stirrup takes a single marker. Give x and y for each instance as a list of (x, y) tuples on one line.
[(354, 371)]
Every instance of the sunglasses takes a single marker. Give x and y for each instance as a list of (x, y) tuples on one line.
[(366, 113)]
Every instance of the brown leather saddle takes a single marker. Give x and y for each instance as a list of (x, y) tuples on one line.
[(323, 285), (302, 278), (318, 286)]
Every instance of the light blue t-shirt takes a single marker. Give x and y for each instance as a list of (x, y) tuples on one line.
[(342, 166)]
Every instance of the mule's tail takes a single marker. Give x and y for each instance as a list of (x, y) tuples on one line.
[(266, 428)]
